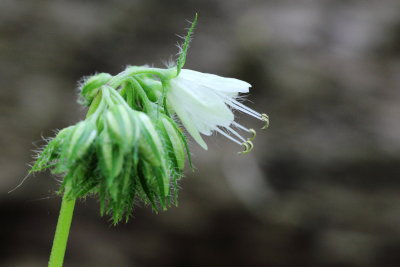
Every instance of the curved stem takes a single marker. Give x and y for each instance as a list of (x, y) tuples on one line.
[(142, 94), (62, 232), (161, 73)]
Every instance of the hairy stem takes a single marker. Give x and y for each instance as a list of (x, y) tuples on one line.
[(129, 72), (62, 232)]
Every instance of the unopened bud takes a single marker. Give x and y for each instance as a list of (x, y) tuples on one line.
[(91, 86)]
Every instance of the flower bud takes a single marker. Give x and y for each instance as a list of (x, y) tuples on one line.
[(174, 144), (75, 145), (81, 137), (72, 181), (122, 126), (110, 155), (91, 86), (151, 149), (48, 157), (150, 145)]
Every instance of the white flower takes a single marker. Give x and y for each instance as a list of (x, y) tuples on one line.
[(204, 103)]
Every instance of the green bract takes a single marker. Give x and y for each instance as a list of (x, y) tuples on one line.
[(126, 150)]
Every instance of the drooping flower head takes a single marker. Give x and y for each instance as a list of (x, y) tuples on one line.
[(130, 148)]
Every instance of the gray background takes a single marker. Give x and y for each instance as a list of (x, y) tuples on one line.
[(320, 188)]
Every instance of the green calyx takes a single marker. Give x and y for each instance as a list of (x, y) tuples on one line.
[(124, 152)]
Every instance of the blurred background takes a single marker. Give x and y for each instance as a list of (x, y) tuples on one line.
[(321, 187)]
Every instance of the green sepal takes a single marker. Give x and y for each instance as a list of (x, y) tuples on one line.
[(150, 146), (175, 146), (150, 86), (70, 182), (144, 182), (50, 154), (129, 94), (127, 187), (184, 141), (183, 52), (151, 149), (95, 104), (110, 155), (78, 142), (122, 126), (91, 85)]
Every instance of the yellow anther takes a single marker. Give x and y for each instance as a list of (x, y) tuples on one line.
[(253, 132), (248, 146), (265, 118)]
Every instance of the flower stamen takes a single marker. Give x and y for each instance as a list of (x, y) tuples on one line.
[(229, 137), (265, 118), (241, 127), (252, 131), (248, 146), (243, 108), (235, 133)]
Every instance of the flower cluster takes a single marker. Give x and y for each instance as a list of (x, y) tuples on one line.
[(130, 146)]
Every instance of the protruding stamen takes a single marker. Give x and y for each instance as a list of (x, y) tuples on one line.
[(239, 106), (253, 132), (248, 146), (265, 118), (236, 134), (240, 127), (228, 136)]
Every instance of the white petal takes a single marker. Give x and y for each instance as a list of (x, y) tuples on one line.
[(201, 102), (187, 121), (215, 82), (204, 105)]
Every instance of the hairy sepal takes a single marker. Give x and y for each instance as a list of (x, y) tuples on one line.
[(49, 156), (90, 87), (150, 147)]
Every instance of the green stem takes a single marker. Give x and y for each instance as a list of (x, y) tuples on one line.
[(62, 232), (67, 208), (129, 72)]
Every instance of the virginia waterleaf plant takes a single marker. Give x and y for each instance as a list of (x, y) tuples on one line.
[(131, 147)]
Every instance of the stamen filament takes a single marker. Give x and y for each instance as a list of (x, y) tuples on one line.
[(240, 127), (232, 102), (228, 136), (236, 134), (243, 108), (252, 131)]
